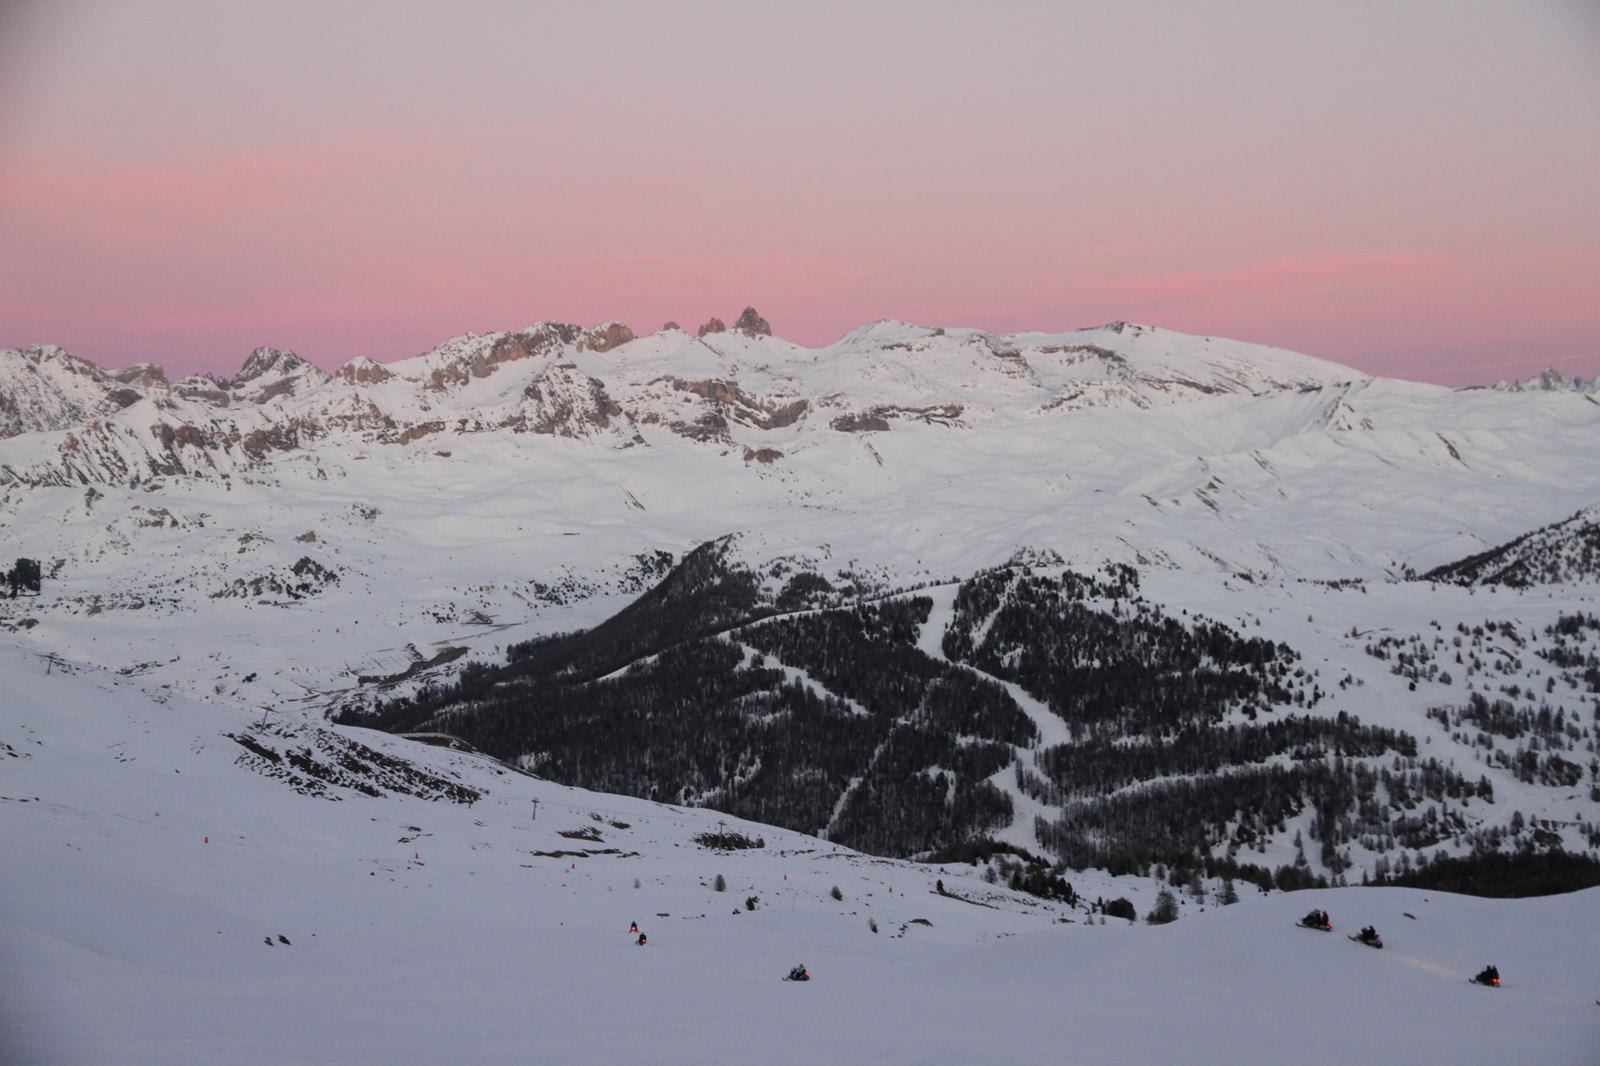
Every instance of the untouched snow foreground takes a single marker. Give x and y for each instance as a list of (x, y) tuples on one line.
[(164, 898)]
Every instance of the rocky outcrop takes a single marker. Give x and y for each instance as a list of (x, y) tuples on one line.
[(860, 422), (709, 427), (542, 340), (714, 325), (271, 373), (264, 361), (45, 387), (1550, 380), (141, 375), (606, 337), (307, 577), (565, 403), (418, 431), (751, 324), (202, 387), (878, 418), (751, 410), (364, 371)]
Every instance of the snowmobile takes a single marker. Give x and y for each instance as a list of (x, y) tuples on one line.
[(799, 973), (1317, 920), (1489, 978), (1369, 936)]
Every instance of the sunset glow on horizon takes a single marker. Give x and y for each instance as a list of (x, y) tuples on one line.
[(1409, 189)]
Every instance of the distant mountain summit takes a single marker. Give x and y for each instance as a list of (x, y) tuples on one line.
[(1550, 380), (721, 387)]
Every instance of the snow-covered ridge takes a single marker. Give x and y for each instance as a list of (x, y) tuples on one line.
[(1550, 380), (519, 477), (883, 367), (45, 388)]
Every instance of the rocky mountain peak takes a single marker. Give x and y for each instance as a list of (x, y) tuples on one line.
[(1550, 380), (142, 375), (364, 371), (265, 360), (752, 324), (713, 325), (605, 337)]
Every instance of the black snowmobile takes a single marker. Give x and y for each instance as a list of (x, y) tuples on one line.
[(1489, 978), (1317, 920), (799, 973), (1369, 936)]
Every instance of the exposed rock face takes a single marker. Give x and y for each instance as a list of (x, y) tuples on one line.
[(752, 324), (305, 578), (877, 418), (264, 360), (565, 403), (1550, 380), (271, 373), (670, 325), (142, 375), (45, 387), (363, 371), (715, 325), (606, 337), (202, 387), (122, 429), (866, 422), (418, 431), (176, 436), (762, 455), (758, 411), (540, 340)]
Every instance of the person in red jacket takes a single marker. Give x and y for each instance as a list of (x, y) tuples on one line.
[(641, 940)]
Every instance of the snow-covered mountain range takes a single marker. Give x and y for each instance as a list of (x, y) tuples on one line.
[(1193, 612), (315, 543), (1550, 380)]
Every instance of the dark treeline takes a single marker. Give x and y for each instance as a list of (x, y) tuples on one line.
[(701, 596), (1130, 669), (922, 792), (868, 654), (1184, 822), (1504, 875), (1102, 765), (690, 695), (25, 576), (695, 719)]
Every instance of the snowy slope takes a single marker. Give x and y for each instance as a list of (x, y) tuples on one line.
[(44, 388), (150, 863)]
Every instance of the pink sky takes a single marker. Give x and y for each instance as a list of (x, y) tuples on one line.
[(1407, 188)]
